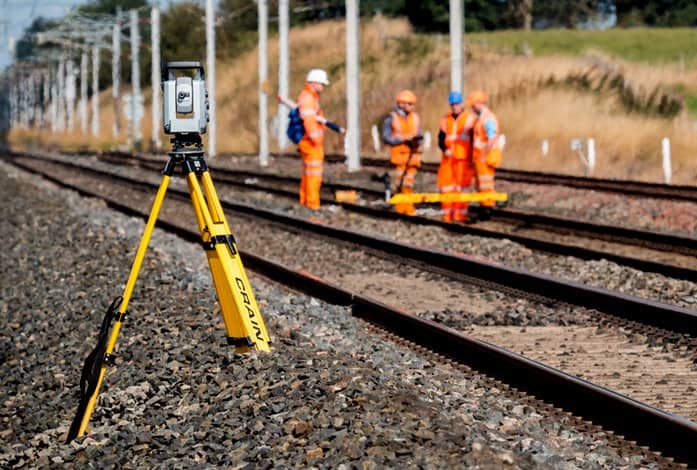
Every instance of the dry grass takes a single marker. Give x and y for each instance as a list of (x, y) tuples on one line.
[(628, 145)]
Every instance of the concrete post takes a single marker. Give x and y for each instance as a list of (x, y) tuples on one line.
[(263, 16), (353, 95), (210, 78), (283, 71), (156, 107)]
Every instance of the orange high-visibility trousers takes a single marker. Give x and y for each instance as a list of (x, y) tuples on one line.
[(454, 177), (312, 168), (446, 185), (485, 179), (409, 175), (462, 177)]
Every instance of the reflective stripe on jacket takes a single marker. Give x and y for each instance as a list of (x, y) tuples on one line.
[(456, 130), (480, 135), (308, 102), (398, 128)]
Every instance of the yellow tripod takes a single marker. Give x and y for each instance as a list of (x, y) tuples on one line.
[(243, 321)]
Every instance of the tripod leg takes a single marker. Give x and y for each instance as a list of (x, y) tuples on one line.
[(243, 321), (96, 363)]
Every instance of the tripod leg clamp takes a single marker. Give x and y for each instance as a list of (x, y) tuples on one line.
[(229, 240)]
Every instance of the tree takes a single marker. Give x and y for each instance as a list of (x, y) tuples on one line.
[(386, 7), (567, 13), (237, 30), (484, 15), (519, 14), (434, 15), (663, 13), (108, 7), (183, 33), (27, 46)]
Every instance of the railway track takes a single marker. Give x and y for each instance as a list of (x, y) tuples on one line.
[(667, 254), (431, 333), (625, 187)]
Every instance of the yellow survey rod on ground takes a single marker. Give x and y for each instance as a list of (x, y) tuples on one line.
[(416, 198)]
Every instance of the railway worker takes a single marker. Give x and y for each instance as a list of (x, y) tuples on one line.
[(486, 147), (402, 132), (311, 146), (455, 171)]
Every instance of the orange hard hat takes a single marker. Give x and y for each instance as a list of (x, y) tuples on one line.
[(406, 96), (476, 96)]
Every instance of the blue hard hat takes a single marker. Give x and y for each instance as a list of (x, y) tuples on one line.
[(454, 97)]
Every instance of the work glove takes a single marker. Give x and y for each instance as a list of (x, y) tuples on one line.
[(414, 143)]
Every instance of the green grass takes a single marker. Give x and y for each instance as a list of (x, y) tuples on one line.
[(691, 104), (649, 45)]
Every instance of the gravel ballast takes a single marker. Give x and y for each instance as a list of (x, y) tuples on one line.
[(329, 395)]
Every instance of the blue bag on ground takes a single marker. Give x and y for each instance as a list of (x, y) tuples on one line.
[(296, 129)]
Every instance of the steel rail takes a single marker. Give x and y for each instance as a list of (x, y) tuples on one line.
[(665, 241), (628, 187), (671, 435), (662, 241), (645, 311)]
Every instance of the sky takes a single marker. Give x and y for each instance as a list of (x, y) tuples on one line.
[(17, 15)]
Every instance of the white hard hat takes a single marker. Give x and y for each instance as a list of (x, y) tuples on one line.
[(318, 76)]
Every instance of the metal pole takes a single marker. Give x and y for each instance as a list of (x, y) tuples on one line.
[(95, 90), (283, 70), (83, 92), (54, 100), (457, 13), (116, 72), (136, 135), (14, 121), (70, 94), (60, 99), (46, 104), (17, 101), (156, 108), (30, 97), (38, 102), (12, 85), (22, 99), (210, 65), (263, 10), (353, 97)]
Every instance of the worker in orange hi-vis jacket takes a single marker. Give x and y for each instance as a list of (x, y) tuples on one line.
[(402, 132), (311, 146), (486, 147), (455, 171)]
